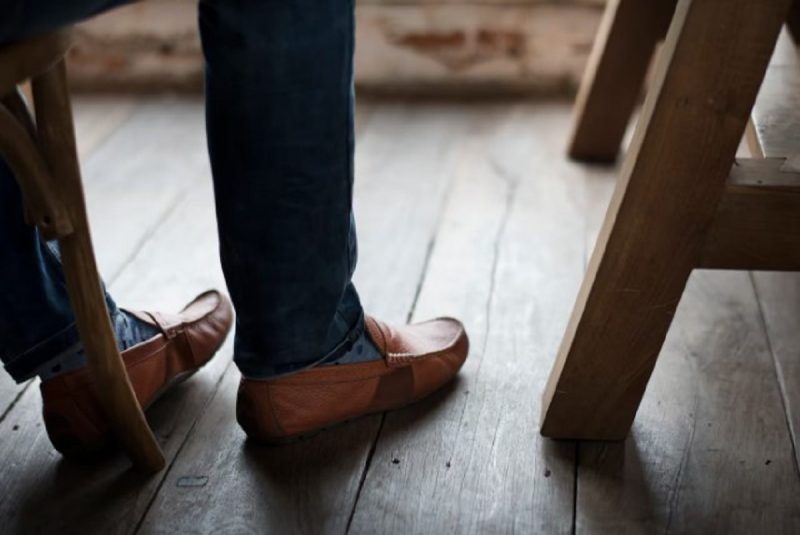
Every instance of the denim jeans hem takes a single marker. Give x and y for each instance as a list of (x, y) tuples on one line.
[(23, 366), (261, 373)]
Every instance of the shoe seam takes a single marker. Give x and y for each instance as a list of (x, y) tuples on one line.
[(346, 381), (272, 411), (447, 347), (379, 328), (73, 387)]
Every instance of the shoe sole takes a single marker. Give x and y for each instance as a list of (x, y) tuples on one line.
[(110, 444)]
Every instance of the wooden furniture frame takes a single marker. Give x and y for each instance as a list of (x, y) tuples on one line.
[(681, 202), (40, 149)]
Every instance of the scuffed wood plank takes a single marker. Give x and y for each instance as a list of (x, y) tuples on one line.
[(651, 240), (404, 162), (138, 175), (42, 493), (178, 261), (779, 298), (757, 224), (9, 393), (774, 123), (708, 451), (176, 258), (508, 259)]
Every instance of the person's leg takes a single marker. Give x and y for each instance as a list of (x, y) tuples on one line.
[(38, 335), (37, 323), (280, 128), (37, 329)]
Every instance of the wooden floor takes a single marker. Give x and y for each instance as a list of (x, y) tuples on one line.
[(463, 209)]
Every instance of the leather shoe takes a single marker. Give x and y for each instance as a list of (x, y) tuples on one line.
[(417, 360), (74, 420)]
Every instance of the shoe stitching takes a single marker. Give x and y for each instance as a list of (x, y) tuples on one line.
[(342, 382), (413, 356)]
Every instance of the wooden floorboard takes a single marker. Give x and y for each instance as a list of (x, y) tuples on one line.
[(405, 159), (97, 118), (38, 488), (108, 498), (779, 300), (709, 451), (508, 259), (138, 175), (463, 209)]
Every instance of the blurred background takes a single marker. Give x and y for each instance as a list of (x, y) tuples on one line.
[(430, 47)]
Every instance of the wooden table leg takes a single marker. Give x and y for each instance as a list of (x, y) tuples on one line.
[(614, 75), (793, 22), (114, 390), (706, 80)]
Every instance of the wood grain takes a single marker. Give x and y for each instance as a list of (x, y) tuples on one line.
[(134, 179), (56, 136), (779, 299), (30, 463), (508, 260), (70, 492), (774, 121), (651, 241), (615, 72), (123, 209), (757, 224), (95, 120), (664, 473), (398, 199), (709, 451), (714, 368), (708, 447)]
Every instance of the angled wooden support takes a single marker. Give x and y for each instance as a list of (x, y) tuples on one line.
[(614, 76), (673, 179), (43, 156), (757, 225), (20, 151), (25, 59)]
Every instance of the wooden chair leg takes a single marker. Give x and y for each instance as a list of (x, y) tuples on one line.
[(793, 22), (56, 136), (705, 84), (614, 75)]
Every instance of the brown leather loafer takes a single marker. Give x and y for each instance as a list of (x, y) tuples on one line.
[(417, 360), (73, 417)]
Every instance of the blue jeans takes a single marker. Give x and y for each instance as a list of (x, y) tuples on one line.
[(279, 112)]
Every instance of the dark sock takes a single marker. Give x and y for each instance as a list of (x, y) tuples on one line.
[(363, 350), (128, 331)]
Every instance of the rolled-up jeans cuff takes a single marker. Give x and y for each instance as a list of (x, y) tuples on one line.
[(23, 366), (270, 372)]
